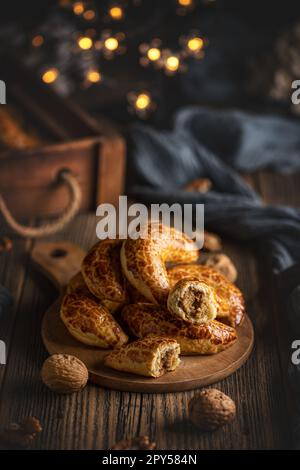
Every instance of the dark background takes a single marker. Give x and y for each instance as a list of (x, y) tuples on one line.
[(237, 70)]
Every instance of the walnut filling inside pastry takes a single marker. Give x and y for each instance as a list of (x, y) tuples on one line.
[(150, 357), (231, 305), (193, 301)]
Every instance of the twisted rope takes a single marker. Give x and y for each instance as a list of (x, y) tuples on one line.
[(49, 228)]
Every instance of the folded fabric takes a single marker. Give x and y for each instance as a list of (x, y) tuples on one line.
[(217, 144)]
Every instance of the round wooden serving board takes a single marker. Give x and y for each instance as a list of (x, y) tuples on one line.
[(193, 372)]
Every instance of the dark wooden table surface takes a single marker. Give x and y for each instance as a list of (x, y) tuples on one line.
[(97, 418)]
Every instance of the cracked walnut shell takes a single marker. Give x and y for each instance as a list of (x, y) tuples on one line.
[(63, 373), (211, 409)]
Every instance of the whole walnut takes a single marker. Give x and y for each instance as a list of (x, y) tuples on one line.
[(223, 264), (211, 409), (63, 373)]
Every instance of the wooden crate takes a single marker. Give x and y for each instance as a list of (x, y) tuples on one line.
[(93, 151)]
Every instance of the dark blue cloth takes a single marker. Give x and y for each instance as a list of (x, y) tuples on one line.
[(217, 144)]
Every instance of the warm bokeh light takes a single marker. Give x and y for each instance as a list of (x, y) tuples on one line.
[(78, 8), (195, 44), (116, 13), (142, 101), (111, 44), (153, 53), (49, 76), (37, 41), (85, 42), (185, 3), (93, 76), (172, 63), (89, 15)]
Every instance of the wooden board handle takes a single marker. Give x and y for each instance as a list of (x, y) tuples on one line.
[(60, 261)]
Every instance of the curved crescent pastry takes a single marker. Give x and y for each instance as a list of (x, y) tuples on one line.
[(143, 260), (78, 286), (151, 320), (231, 305), (193, 301), (151, 357), (91, 323), (102, 273)]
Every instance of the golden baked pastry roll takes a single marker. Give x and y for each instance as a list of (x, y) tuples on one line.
[(150, 357), (193, 301), (143, 260), (90, 322), (231, 305), (78, 286), (143, 320), (102, 273)]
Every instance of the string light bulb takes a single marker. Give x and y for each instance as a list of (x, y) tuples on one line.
[(172, 63), (185, 3), (85, 43), (141, 103), (111, 44), (195, 44), (94, 76), (78, 8), (153, 54), (89, 15), (116, 13), (50, 76), (37, 41)]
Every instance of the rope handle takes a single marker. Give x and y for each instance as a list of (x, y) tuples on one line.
[(50, 228)]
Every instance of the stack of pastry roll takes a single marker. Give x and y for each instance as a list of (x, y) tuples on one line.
[(126, 299)]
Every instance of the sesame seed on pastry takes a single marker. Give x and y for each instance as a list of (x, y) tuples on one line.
[(90, 322), (231, 305), (102, 273), (144, 320), (150, 357), (143, 260), (193, 301)]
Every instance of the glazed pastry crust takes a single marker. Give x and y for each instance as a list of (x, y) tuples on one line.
[(91, 323), (143, 260), (193, 301), (231, 305), (77, 285), (150, 357), (143, 320), (102, 273)]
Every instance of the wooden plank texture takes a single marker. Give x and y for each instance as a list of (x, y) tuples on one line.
[(97, 418)]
